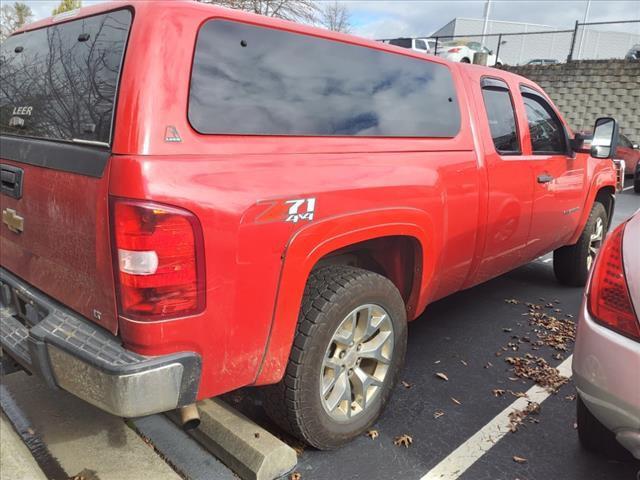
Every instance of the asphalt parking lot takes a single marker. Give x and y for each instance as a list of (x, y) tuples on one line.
[(457, 379)]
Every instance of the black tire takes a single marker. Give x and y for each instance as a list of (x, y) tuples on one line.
[(465, 60), (331, 293), (597, 438), (636, 181), (570, 262)]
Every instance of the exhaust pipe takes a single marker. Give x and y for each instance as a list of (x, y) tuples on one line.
[(189, 416)]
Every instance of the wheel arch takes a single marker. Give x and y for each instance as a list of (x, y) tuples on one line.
[(603, 190), (607, 196), (357, 237)]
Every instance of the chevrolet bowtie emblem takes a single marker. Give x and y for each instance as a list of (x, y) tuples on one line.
[(12, 220)]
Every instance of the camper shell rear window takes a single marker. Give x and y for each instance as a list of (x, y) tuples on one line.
[(60, 82)]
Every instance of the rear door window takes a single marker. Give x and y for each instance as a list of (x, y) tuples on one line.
[(60, 82), (251, 80), (501, 116)]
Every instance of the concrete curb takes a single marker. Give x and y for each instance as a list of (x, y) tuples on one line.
[(246, 448), (15, 458)]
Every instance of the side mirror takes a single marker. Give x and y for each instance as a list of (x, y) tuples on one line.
[(605, 138)]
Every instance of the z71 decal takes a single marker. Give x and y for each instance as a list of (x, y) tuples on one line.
[(294, 211)]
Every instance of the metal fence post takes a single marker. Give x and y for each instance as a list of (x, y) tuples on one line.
[(498, 49), (573, 41)]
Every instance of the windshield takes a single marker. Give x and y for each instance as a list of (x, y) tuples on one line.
[(60, 82)]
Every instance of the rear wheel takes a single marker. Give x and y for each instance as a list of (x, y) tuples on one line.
[(597, 438), (348, 350), (465, 60), (571, 264)]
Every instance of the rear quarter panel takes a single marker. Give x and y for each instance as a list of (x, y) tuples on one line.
[(256, 270)]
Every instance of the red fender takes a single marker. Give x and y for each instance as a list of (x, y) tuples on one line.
[(318, 239)]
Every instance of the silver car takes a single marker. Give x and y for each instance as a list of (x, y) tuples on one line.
[(606, 360)]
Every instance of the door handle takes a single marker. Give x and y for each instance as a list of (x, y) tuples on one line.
[(544, 178), (11, 180)]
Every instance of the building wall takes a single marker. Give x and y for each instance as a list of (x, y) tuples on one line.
[(519, 49), (586, 90)]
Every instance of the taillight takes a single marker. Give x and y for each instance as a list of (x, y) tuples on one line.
[(454, 50), (609, 300), (159, 261)]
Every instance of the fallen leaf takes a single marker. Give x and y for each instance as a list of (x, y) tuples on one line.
[(257, 434), (497, 392), (507, 330), (517, 394), (518, 459), (488, 365), (512, 301), (442, 376), (570, 397), (372, 434), (456, 401), (437, 362), (295, 476), (575, 425), (464, 363), (438, 414), (538, 370), (403, 440), (406, 384)]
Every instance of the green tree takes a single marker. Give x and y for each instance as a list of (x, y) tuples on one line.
[(13, 17), (66, 5)]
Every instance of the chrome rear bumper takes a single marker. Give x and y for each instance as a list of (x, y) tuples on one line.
[(76, 355)]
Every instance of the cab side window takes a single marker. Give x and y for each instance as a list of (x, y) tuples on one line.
[(421, 44), (501, 116), (546, 129)]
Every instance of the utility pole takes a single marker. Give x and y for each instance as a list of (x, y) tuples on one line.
[(487, 10), (586, 18)]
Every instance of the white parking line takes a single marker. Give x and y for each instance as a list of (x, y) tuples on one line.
[(458, 461), (627, 188)]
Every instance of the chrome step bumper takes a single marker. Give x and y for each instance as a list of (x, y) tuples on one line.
[(76, 355)]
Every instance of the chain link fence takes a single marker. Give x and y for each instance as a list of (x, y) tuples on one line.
[(586, 41)]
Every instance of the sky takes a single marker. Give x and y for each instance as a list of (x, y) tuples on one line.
[(395, 18)]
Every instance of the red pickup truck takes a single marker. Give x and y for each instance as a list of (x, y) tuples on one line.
[(196, 200)]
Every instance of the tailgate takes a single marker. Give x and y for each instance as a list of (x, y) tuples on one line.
[(59, 88), (56, 237)]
